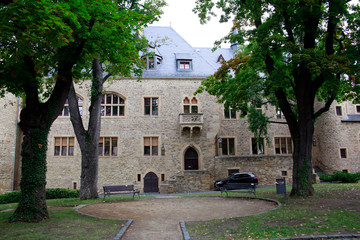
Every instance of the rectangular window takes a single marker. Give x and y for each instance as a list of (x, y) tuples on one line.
[(151, 145), (338, 111), (257, 147), (343, 153), (283, 145), (229, 114), (151, 106), (151, 63), (358, 108), (162, 177), (184, 65), (228, 146), (64, 146), (139, 177), (108, 146), (279, 114)]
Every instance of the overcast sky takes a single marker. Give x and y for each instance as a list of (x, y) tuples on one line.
[(179, 15)]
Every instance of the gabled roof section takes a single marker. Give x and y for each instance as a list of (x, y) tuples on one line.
[(351, 118), (172, 47)]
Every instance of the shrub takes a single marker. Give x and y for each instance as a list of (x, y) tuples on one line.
[(51, 193), (339, 176), (10, 197), (54, 193)]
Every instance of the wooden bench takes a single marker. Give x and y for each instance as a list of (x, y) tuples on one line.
[(120, 189), (239, 187)]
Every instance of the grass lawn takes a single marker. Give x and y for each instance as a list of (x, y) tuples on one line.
[(64, 223), (335, 209)]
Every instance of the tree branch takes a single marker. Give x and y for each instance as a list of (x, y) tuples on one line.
[(75, 116), (325, 108)]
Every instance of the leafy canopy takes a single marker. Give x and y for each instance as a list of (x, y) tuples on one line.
[(38, 30), (289, 49)]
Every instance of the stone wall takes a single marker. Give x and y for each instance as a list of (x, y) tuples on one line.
[(190, 181), (133, 127), (331, 134), (9, 130), (266, 168)]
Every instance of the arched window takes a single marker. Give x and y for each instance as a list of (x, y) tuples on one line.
[(66, 109), (190, 106), (112, 105)]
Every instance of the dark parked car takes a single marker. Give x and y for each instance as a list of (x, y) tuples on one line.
[(243, 177)]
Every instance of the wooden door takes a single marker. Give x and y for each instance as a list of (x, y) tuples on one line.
[(151, 182), (191, 160)]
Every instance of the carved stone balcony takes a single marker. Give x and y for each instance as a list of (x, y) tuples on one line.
[(191, 122)]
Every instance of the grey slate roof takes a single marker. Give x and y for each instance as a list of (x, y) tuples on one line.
[(351, 118), (204, 61)]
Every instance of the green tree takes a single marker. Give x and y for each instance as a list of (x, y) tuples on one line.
[(294, 53), (118, 55), (44, 45)]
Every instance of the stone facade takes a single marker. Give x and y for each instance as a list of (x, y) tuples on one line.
[(187, 142), (9, 139), (332, 133)]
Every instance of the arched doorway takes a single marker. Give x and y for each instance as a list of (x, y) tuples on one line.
[(191, 159), (151, 182)]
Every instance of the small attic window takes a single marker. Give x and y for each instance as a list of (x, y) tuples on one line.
[(220, 58), (184, 65), (152, 63), (184, 61)]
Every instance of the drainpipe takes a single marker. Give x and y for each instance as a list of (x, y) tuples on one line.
[(15, 147)]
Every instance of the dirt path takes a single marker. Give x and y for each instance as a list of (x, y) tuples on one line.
[(158, 218)]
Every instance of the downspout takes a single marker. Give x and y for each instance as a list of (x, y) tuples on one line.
[(15, 148)]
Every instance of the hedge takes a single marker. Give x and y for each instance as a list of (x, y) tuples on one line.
[(339, 176), (51, 193)]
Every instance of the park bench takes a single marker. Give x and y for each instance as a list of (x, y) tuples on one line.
[(239, 187), (120, 189)]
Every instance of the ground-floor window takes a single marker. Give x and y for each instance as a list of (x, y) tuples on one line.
[(108, 146), (283, 145), (228, 146), (257, 146), (151, 146), (64, 146)]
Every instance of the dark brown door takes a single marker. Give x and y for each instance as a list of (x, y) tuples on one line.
[(151, 182), (191, 159)]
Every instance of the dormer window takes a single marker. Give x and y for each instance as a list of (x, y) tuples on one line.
[(184, 65), (152, 63), (152, 58), (184, 62), (220, 59)]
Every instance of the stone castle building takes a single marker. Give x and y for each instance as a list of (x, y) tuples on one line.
[(159, 136)]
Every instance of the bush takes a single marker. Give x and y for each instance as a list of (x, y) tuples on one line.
[(51, 193), (339, 176), (10, 197), (54, 193)]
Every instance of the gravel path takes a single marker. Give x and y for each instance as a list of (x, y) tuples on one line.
[(158, 218)]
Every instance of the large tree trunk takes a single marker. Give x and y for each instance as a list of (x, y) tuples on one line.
[(302, 132), (32, 206), (302, 161), (35, 122), (88, 140)]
